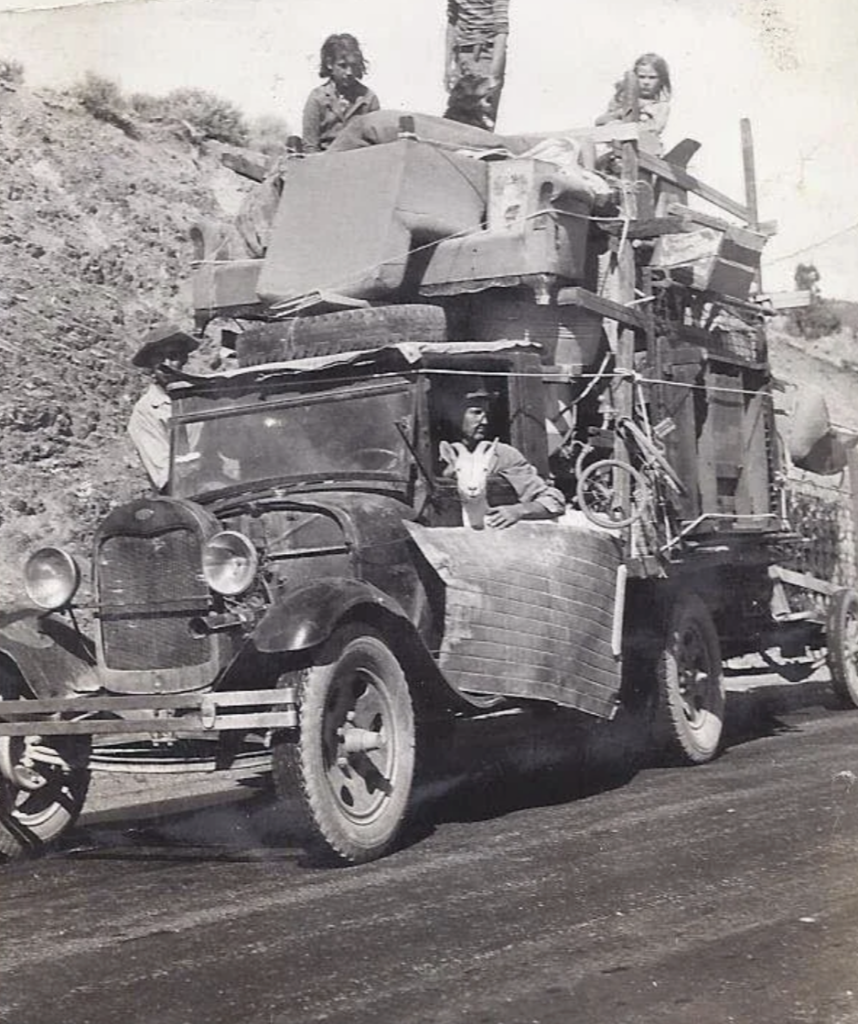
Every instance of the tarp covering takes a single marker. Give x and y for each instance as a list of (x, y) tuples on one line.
[(529, 611)]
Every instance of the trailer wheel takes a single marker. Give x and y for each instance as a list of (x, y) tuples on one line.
[(43, 786), (350, 771), (842, 634), (689, 712), (347, 331)]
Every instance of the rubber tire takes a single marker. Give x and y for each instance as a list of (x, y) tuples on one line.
[(348, 331), (340, 818), (24, 831), (686, 734), (842, 641), (637, 486)]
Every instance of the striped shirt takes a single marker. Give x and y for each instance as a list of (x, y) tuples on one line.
[(478, 21)]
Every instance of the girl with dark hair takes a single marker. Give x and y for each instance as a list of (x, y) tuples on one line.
[(331, 105), (643, 95)]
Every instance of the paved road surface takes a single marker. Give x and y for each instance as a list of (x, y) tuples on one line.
[(679, 896)]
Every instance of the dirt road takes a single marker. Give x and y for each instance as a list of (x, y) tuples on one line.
[(715, 894)]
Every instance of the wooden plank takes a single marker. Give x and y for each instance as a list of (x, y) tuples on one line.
[(709, 221), (803, 580), (785, 300), (575, 296), (684, 180)]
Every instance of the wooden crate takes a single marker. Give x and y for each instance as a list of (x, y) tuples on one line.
[(707, 258)]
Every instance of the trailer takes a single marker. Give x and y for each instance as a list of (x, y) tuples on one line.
[(304, 596)]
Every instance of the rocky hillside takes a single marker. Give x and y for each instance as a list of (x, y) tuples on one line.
[(94, 249)]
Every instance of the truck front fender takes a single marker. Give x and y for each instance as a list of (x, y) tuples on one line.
[(53, 658), (307, 616)]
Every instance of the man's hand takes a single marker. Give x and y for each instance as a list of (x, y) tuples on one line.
[(503, 516)]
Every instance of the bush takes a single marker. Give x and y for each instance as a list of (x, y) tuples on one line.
[(99, 96), (102, 98), (11, 71), (211, 116), (818, 320), (268, 134), (146, 107)]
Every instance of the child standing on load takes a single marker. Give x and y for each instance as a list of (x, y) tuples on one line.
[(331, 105), (650, 81), (477, 33)]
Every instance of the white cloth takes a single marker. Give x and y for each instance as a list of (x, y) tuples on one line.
[(149, 428)]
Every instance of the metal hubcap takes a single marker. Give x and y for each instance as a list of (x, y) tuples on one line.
[(360, 754)]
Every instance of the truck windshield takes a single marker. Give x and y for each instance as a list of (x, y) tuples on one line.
[(288, 438)]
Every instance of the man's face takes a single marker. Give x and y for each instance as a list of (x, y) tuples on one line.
[(475, 423), (172, 357)]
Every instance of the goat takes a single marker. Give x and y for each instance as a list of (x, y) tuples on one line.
[(471, 470)]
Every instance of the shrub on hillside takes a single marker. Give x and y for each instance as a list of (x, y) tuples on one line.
[(11, 71), (102, 98), (268, 134), (212, 116), (146, 106), (818, 319)]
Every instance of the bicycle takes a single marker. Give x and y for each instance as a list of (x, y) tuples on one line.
[(613, 493)]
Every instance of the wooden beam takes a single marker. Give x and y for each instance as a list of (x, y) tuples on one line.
[(676, 176), (604, 307)]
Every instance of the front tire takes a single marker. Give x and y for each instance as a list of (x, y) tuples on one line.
[(842, 641), (689, 713), (352, 765), (43, 787)]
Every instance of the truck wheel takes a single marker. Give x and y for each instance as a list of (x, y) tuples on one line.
[(348, 331), (352, 765), (42, 789), (842, 640), (689, 712)]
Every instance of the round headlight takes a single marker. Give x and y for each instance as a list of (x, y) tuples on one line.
[(229, 563), (51, 578)]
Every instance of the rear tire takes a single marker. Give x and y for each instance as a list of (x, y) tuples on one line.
[(348, 331), (689, 713), (842, 641), (350, 771)]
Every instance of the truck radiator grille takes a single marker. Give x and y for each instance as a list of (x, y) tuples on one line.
[(149, 588)]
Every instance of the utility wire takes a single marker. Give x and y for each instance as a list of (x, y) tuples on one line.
[(813, 245)]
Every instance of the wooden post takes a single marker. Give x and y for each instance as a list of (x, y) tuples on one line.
[(853, 508), (624, 357), (751, 185)]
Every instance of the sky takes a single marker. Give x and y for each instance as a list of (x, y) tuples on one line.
[(791, 66)]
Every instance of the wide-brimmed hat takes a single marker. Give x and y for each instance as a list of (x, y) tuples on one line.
[(167, 335), (480, 391)]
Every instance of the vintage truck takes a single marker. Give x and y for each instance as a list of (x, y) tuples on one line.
[(304, 597)]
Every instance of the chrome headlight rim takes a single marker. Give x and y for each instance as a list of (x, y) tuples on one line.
[(51, 578), (230, 562)]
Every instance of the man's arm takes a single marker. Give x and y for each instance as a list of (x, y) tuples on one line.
[(537, 499)]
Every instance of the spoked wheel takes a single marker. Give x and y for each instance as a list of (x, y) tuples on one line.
[(689, 714), (599, 490), (352, 765), (842, 633), (43, 786)]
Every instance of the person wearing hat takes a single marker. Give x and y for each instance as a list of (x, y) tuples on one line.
[(537, 499), (164, 352)]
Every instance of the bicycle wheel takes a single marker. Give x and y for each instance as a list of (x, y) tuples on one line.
[(599, 492)]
